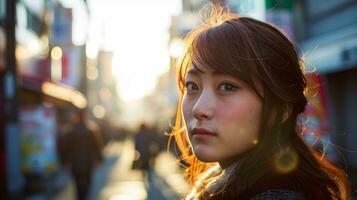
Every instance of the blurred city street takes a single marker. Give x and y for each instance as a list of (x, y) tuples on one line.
[(88, 89), (115, 179)]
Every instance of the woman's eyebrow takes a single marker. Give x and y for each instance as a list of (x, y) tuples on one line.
[(195, 71)]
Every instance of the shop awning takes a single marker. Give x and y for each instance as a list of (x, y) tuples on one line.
[(56, 90)]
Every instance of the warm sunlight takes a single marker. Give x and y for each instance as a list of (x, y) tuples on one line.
[(138, 33)]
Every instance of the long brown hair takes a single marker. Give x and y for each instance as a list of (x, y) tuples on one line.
[(260, 55)]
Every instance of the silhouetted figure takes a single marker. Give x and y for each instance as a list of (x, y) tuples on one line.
[(147, 147), (142, 139), (154, 145), (82, 153)]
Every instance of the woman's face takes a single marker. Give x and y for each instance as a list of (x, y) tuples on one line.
[(222, 115)]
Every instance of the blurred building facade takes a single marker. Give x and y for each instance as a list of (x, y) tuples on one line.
[(51, 70), (43, 68)]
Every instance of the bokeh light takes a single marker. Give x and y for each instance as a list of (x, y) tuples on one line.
[(286, 161), (99, 111), (56, 53), (92, 72), (176, 48)]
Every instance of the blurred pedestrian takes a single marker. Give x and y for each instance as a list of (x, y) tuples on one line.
[(81, 153), (147, 147), (242, 90), (142, 140), (155, 144)]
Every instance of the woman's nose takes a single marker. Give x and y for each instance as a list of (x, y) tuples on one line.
[(204, 106)]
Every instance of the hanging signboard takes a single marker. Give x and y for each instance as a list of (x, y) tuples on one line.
[(72, 66), (61, 30)]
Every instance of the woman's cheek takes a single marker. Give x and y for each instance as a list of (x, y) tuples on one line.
[(186, 109)]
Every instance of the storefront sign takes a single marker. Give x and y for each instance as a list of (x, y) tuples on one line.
[(71, 66), (61, 26), (38, 139)]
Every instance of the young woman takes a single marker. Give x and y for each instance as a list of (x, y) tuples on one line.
[(242, 90)]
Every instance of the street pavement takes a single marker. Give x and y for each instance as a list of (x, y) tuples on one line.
[(115, 180)]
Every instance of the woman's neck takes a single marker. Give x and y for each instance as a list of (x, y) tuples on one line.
[(228, 163)]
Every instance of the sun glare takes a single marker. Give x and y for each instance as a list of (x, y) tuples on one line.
[(139, 33)]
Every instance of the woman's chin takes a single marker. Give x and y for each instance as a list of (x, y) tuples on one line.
[(204, 156)]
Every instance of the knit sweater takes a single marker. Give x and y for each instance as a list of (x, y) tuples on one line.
[(262, 193), (279, 195)]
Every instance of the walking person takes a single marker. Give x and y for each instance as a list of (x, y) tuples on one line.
[(82, 153), (142, 147), (241, 92)]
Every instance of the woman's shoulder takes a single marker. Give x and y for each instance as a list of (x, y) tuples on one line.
[(287, 186), (279, 187)]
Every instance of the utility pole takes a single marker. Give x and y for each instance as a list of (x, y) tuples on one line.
[(10, 135)]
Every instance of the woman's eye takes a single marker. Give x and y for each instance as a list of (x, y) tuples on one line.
[(191, 86), (227, 87)]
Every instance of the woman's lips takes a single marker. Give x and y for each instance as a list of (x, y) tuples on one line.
[(202, 134), (202, 131)]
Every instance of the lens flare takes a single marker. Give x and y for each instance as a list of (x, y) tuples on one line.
[(286, 161), (255, 141)]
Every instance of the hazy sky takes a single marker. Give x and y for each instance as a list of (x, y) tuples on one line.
[(137, 31)]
